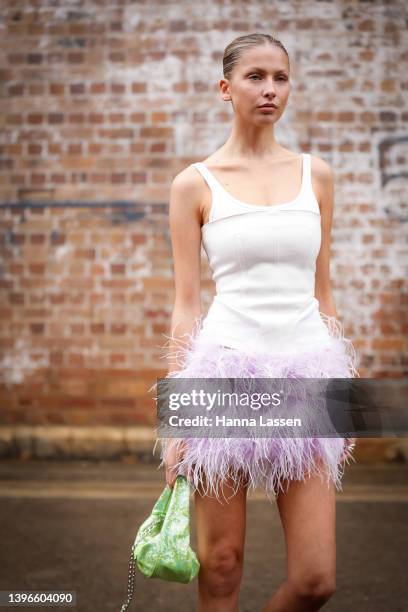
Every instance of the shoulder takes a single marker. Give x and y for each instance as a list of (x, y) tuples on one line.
[(321, 170), (186, 194), (186, 182), (322, 181), (187, 186)]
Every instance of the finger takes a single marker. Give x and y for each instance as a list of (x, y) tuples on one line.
[(170, 479)]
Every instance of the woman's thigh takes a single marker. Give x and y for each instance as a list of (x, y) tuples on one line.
[(308, 514), (221, 523)]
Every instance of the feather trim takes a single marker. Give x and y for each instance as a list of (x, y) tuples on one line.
[(267, 463)]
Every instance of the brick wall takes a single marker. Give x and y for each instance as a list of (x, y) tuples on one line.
[(102, 103)]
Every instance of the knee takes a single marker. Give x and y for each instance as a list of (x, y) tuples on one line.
[(316, 587), (222, 570)]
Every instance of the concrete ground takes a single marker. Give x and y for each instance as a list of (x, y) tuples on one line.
[(70, 525)]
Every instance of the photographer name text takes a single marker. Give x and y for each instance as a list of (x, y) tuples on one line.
[(222, 421)]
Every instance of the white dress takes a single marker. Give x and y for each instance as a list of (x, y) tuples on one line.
[(264, 321)]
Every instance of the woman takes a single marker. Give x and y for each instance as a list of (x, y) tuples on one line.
[(264, 214)]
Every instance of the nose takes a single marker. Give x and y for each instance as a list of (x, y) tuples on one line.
[(269, 89)]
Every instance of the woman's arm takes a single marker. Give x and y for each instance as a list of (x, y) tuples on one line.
[(185, 229), (323, 179)]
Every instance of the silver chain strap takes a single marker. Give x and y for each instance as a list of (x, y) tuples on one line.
[(131, 583), (131, 574)]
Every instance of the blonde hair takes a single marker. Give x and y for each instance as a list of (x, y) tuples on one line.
[(239, 45)]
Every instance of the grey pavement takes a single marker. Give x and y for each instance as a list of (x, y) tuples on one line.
[(70, 525)]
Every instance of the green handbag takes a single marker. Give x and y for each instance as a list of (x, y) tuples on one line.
[(162, 545)]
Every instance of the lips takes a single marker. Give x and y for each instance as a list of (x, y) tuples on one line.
[(268, 106)]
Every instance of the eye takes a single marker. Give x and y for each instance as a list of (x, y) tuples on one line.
[(280, 78)]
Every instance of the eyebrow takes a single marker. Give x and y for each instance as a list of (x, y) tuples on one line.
[(255, 68)]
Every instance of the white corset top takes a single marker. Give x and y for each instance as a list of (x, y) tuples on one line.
[(263, 263)]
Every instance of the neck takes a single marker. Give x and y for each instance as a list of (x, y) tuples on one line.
[(251, 142)]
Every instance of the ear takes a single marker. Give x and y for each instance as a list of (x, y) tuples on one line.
[(225, 90)]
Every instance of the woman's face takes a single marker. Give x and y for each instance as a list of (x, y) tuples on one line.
[(261, 76)]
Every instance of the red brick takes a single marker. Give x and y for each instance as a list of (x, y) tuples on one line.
[(91, 288)]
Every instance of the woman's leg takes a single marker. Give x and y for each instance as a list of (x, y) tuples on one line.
[(308, 514), (220, 548)]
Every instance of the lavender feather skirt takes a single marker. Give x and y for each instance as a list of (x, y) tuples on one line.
[(266, 463)]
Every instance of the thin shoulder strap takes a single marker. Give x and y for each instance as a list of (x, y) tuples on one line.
[(307, 171), (207, 175), (212, 184)]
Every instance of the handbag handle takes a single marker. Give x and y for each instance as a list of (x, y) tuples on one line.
[(131, 583)]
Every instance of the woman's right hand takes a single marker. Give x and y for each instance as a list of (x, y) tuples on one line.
[(173, 456)]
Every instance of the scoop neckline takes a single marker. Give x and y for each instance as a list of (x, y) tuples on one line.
[(260, 206)]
